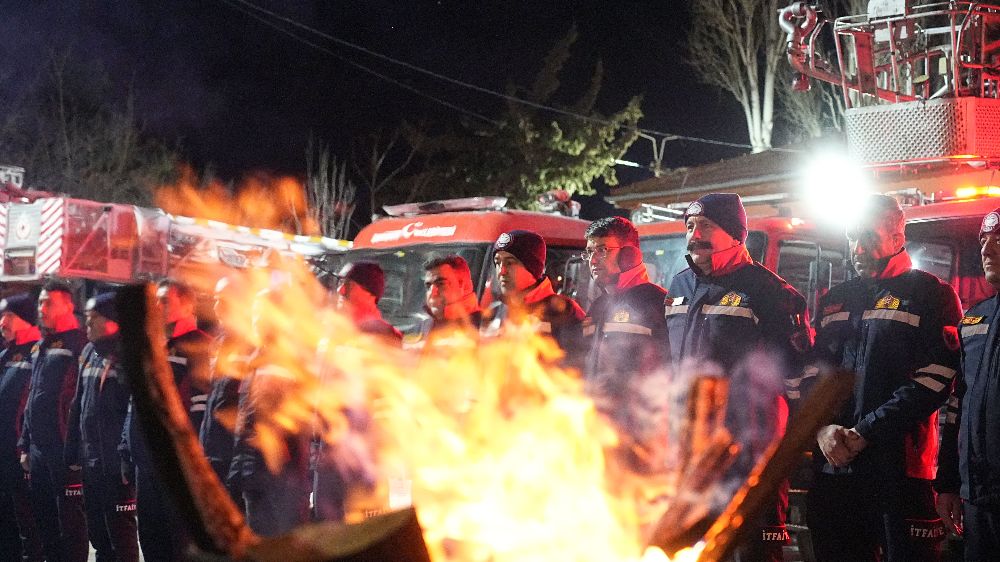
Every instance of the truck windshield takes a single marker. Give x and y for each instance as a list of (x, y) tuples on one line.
[(403, 302), (664, 255), (949, 248)]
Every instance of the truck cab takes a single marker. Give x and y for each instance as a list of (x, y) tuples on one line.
[(943, 239), (401, 242)]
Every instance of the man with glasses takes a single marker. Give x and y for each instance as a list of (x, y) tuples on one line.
[(731, 316), (625, 329)]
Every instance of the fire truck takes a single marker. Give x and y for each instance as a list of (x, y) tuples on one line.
[(921, 87), (44, 235), (402, 241)]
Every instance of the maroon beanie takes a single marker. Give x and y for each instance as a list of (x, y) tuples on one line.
[(526, 246), (725, 210), (367, 274)]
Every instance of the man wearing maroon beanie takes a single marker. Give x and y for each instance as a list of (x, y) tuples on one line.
[(519, 258)]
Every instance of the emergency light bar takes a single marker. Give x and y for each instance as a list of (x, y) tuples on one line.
[(484, 203)]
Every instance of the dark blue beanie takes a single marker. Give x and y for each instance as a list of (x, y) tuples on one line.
[(104, 304), (23, 305), (725, 210)]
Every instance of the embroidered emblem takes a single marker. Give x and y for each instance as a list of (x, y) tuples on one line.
[(732, 298), (832, 308), (620, 316), (695, 209), (951, 339), (503, 240), (971, 320), (990, 222), (888, 302)]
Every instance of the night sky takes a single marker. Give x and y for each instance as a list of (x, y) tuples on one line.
[(241, 96)]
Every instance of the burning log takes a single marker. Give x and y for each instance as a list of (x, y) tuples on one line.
[(781, 458), (709, 451), (215, 523)]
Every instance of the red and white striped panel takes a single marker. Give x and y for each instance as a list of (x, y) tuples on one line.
[(4, 207), (50, 237)]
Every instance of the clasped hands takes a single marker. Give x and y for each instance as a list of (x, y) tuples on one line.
[(839, 444)]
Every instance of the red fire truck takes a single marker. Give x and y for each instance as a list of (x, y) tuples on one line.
[(468, 227), (42, 235)]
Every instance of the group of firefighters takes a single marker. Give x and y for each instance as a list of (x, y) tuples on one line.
[(76, 469)]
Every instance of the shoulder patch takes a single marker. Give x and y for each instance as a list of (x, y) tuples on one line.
[(732, 298), (971, 320), (888, 302)]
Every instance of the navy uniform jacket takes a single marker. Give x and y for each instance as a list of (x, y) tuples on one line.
[(188, 355), (228, 367), (626, 332), (558, 316), (970, 447), (99, 408), (899, 336), (54, 370), (15, 362), (718, 324), (260, 395), (722, 318)]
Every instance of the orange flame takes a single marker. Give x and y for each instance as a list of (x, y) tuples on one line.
[(261, 200), (502, 453)]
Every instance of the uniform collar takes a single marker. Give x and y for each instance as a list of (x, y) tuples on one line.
[(631, 278), (724, 262), (898, 264), (539, 291)]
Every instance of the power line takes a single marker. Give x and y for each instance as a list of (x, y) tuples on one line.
[(465, 84), (360, 66)]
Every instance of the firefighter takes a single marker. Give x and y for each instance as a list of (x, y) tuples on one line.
[(229, 365), (450, 301), (968, 481), (96, 421), (895, 328), (56, 492), (162, 535), (359, 288), (275, 494), (625, 330), (519, 258), (18, 535), (724, 313)]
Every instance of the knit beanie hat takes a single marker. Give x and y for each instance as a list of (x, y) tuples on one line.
[(104, 304), (526, 246), (23, 305), (367, 274), (725, 210), (991, 222)]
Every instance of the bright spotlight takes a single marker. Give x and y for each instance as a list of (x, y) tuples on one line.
[(833, 186)]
